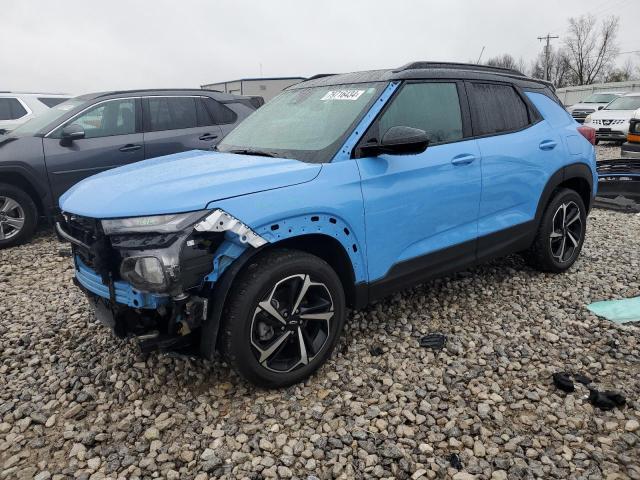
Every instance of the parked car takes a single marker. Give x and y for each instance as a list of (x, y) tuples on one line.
[(631, 149), (593, 103), (612, 122), (85, 135), (17, 108), (337, 192)]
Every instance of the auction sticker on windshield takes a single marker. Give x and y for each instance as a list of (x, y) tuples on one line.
[(342, 95)]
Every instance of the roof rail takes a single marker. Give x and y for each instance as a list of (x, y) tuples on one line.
[(458, 66), (147, 90)]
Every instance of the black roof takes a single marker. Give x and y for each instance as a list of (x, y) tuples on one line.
[(427, 70)]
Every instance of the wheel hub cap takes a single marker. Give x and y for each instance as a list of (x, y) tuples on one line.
[(567, 232), (291, 324), (11, 218)]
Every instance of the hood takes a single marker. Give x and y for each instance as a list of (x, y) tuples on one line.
[(181, 182), (612, 114), (586, 106)]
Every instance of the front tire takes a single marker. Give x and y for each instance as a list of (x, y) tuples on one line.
[(283, 318), (560, 234), (18, 216)]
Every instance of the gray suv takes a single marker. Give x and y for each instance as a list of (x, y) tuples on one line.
[(44, 157)]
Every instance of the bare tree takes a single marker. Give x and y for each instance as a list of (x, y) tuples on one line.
[(558, 71), (591, 50), (621, 74), (507, 61)]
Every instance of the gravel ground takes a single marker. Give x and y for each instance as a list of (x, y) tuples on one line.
[(77, 403)]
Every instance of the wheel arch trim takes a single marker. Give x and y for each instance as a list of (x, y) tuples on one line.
[(34, 187), (574, 171)]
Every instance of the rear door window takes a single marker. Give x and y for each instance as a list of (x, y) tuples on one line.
[(433, 107), (11, 109), (497, 109), (170, 113)]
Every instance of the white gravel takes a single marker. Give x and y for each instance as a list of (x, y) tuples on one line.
[(77, 403)]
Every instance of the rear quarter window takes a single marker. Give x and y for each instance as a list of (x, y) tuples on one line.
[(553, 113)]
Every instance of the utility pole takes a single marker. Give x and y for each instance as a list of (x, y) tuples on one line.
[(547, 53)]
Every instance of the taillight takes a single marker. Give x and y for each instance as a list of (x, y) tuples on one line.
[(588, 133)]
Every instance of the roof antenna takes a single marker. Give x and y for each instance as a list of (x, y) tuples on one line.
[(480, 56)]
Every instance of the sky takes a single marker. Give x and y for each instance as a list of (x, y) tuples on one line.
[(77, 47)]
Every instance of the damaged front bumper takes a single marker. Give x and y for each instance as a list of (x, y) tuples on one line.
[(171, 312)]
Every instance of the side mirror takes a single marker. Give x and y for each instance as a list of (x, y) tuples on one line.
[(70, 133), (399, 140), (600, 107)]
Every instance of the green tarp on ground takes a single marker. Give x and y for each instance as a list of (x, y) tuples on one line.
[(619, 311)]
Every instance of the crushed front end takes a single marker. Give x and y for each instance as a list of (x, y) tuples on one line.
[(152, 277)]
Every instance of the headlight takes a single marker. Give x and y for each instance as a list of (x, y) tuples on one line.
[(145, 273), (587, 119), (156, 223)]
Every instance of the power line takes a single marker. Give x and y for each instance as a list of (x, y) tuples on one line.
[(547, 53)]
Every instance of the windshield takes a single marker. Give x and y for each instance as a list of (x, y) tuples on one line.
[(40, 121), (307, 124), (601, 98), (624, 103)]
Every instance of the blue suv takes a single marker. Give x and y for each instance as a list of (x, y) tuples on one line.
[(339, 191)]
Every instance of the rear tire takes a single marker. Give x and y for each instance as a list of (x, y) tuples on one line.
[(18, 216), (283, 318), (560, 235)]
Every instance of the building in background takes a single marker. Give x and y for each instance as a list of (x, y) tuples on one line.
[(572, 95), (266, 88)]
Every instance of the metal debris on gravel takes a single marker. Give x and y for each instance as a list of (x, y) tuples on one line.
[(75, 402)]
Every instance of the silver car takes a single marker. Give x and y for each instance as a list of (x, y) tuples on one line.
[(16, 108), (593, 103)]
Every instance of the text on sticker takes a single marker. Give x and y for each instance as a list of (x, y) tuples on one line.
[(342, 95)]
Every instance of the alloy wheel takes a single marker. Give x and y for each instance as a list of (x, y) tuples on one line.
[(292, 323), (12, 218), (567, 231)]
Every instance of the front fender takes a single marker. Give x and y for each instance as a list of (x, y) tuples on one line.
[(323, 224)]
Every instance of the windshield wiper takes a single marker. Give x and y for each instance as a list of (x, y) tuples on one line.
[(248, 151)]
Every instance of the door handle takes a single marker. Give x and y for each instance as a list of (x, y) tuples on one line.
[(463, 159), (130, 148), (548, 145), (208, 137)]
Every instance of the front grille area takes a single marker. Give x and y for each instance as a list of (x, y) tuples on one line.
[(100, 256), (607, 123)]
